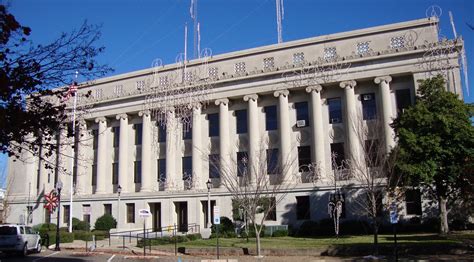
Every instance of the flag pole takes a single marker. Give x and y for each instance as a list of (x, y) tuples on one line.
[(71, 189)]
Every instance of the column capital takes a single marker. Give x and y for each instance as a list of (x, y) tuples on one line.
[(223, 101), (82, 124), (196, 106), (121, 116), (380, 79), (253, 97), (314, 88), (348, 84), (100, 119), (283, 92), (144, 113)]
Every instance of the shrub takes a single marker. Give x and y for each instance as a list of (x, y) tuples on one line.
[(226, 227), (43, 229), (251, 230), (280, 233), (79, 225), (82, 235), (65, 237), (354, 227), (105, 223), (100, 234), (430, 224), (193, 237)]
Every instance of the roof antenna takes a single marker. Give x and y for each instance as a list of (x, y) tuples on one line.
[(280, 12), (463, 55), (193, 11)]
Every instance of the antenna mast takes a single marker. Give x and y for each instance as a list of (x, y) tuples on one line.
[(194, 15), (463, 54), (280, 12)]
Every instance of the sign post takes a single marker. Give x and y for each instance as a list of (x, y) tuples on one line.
[(217, 222), (144, 213), (394, 221)]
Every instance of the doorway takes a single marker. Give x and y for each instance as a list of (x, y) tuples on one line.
[(182, 216), (155, 209), (204, 211)]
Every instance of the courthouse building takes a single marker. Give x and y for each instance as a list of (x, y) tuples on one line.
[(296, 95)]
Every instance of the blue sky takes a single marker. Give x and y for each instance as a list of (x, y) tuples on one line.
[(135, 32)]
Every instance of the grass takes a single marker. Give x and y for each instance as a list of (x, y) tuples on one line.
[(301, 243)]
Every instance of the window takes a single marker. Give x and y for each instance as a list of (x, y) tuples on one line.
[(107, 209), (242, 163), (137, 172), (138, 133), (335, 110), (302, 207), (302, 113), (369, 108), (241, 117), (130, 213), (271, 216), (116, 131), (337, 154), (213, 124), (161, 169), (115, 173), (403, 99), (272, 161), (329, 53), (95, 140), (413, 202), (66, 211), (187, 132), (214, 166), (371, 152), (94, 174), (298, 58), (363, 48), (161, 132), (271, 122), (187, 167), (86, 213), (118, 90), (213, 72), (304, 158), (397, 42), (239, 68), (268, 63)]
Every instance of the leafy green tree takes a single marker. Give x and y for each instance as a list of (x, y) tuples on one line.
[(105, 222), (29, 72), (435, 145)]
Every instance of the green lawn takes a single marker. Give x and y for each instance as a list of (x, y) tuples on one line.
[(296, 242)]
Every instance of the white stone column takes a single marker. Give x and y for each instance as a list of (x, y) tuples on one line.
[(80, 159), (123, 153), (384, 84), (147, 182), (101, 155), (318, 155), (171, 175), (224, 140), (200, 181), (284, 131), (350, 119), (254, 136)]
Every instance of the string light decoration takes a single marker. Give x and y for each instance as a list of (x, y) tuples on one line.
[(175, 93)]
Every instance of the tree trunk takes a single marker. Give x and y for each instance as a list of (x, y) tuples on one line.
[(257, 236), (443, 216), (375, 228)]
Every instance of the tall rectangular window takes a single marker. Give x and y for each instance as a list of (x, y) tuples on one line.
[(304, 158), (94, 174), (372, 151), (137, 171), (66, 211), (241, 117), (302, 112), (413, 202), (271, 121), (115, 173), (271, 216), (95, 139), (116, 131), (161, 132), (403, 99), (214, 166), (130, 213), (86, 213), (335, 110), (107, 209), (369, 107), (187, 132), (161, 169), (272, 161), (242, 163), (187, 167), (302, 208), (138, 133), (213, 124), (337, 150)]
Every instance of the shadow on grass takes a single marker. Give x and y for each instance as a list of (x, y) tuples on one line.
[(416, 238)]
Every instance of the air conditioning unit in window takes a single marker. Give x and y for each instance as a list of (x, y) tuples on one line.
[(301, 123), (367, 97)]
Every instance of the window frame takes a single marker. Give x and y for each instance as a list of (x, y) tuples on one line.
[(335, 110), (213, 120), (241, 121), (271, 117)]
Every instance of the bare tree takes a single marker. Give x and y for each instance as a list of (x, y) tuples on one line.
[(258, 186), (372, 171)]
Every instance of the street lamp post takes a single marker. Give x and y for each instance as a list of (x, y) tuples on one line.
[(119, 191), (209, 186), (59, 186)]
